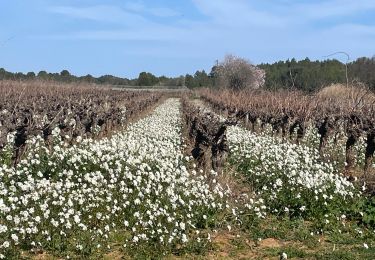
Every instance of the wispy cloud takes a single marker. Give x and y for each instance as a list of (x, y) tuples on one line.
[(155, 33), (238, 12), (140, 7), (281, 27), (136, 19), (100, 13), (280, 12), (163, 12), (132, 12), (332, 8), (174, 37)]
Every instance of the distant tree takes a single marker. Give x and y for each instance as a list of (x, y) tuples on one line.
[(65, 73), (43, 75), (199, 79), (55, 76), (190, 81), (147, 79), (112, 80), (237, 73), (19, 76), (304, 75), (30, 75), (202, 79), (163, 80), (65, 76), (214, 76), (89, 79), (180, 81), (363, 69), (2, 73), (171, 82), (5, 74)]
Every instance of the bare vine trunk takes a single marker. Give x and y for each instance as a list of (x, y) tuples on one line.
[(300, 133), (350, 153), (325, 132), (370, 149)]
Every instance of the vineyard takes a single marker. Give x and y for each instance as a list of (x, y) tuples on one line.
[(95, 173)]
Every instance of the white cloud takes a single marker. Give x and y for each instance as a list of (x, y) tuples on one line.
[(154, 33), (135, 6), (279, 13), (100, 13), (261, 31), (237, 12), (163, 12), (140, 8), (332, 8)]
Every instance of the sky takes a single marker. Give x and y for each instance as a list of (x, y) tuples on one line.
[(175, 37)]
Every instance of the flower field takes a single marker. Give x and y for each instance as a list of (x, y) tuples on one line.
[(291, 178), (139, 193), (72, 199)]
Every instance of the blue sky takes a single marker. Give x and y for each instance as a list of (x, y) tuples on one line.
[(171, 38)]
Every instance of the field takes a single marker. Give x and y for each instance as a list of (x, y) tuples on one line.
[(93, 173)]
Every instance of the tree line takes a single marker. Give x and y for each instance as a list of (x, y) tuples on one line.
[(310, 75), (144, 78), (305, 75)]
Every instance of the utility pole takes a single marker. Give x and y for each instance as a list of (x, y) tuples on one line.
[(346, 64), (346, 71)]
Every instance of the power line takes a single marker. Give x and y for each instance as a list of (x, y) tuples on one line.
[(6, 41)]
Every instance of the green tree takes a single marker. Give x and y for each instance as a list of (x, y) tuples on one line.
[(43, 75), (147, 79), (89, 79), (190, 81), (65, 76), (30, 75)]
